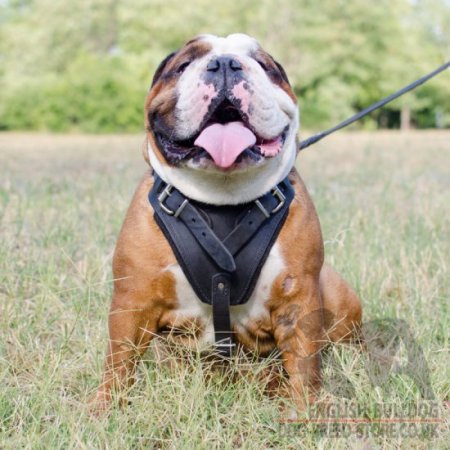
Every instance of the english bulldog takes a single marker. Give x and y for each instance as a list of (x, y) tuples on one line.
[(222, 123)]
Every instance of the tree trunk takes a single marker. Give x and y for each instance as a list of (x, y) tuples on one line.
[(405, 118)]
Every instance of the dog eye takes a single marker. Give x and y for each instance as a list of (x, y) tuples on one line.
[(264, 67), (182, 67)]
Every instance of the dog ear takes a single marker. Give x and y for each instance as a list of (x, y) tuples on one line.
[(161, 68), (282, 71)]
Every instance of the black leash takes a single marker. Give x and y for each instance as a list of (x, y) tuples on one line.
[(317, 137)]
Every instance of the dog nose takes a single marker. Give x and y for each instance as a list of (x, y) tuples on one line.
[(225, 63)]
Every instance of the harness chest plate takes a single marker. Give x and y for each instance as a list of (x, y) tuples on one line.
[(221, 249), (260, 221)]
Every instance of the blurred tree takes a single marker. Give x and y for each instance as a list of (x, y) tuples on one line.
[(86, 65)]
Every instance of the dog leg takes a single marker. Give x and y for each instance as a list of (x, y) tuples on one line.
[(342, 307), (299, 337), (130, 333)]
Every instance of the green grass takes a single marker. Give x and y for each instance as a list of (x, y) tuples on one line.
[(383, 203)]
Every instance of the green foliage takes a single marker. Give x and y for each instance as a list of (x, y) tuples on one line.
[(87, 67), (95, 94)]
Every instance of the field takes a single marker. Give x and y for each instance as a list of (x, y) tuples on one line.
[(383, 203)]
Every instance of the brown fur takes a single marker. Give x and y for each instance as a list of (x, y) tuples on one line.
[(144, 298), (309, 302), (275, 72), (162, 97)]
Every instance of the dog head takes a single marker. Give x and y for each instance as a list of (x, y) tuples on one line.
[(222, 120)]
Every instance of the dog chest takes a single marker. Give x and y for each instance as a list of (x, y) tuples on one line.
[(191, 311)]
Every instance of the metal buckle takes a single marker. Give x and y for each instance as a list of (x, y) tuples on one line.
[(276, 194), (223, 344), (280, 196), (162, 197), (167, 192), (180, 209), (261, 207)]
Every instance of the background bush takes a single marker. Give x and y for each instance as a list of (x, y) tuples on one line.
[(86, 65)]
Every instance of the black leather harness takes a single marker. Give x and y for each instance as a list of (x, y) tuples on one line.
[(221, 249)]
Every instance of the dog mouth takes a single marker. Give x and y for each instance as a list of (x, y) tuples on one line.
[(225, 140)]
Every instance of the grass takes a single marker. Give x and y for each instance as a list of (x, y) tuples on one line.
[(383, 203)]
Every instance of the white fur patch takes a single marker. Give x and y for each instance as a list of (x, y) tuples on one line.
[(237, 43), (231, 188), (191, 307), (270, 111), (270, 108)]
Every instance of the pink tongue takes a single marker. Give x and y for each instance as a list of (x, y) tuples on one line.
[(225, 142)]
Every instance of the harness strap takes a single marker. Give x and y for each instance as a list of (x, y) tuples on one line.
[(210, 262), (255, 216), (221, 314), (176, 204)]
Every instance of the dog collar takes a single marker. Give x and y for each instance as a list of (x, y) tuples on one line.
[(221, 249)]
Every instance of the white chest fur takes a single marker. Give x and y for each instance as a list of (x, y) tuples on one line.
[(191, 307)]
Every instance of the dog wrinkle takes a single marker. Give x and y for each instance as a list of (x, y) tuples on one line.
[(191, 51), (289, 317), (150, 288), (241, 93), (270, 110)]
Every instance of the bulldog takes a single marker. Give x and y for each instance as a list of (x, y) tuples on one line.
[(222, 123)]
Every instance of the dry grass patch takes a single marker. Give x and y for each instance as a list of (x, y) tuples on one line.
[(383, 203)]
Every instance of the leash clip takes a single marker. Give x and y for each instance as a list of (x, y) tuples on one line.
[(167, 192)]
